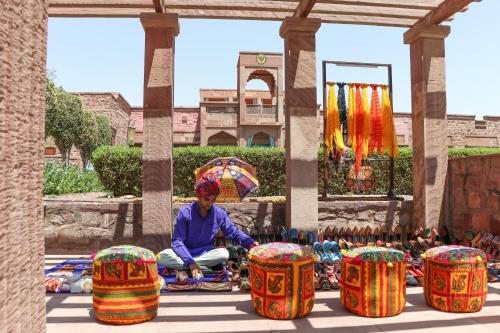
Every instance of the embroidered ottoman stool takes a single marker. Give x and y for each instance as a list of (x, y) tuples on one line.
[(281, 276), (455, 278), (126, 287), (373, 281)]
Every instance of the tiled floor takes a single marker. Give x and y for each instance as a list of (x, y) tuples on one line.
[(232, 312)]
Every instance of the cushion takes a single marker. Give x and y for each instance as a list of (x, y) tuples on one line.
[(281, 252), (281, 277), (455, 254), (126, 286), (373, 281), (455, 278)]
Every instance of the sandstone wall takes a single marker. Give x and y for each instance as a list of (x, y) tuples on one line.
[(474, 194), (84, 227), (23, 55)]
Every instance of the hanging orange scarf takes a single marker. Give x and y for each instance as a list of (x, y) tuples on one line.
[(359, 128), (376, 122), (335, 130), (351, 116), (389, 142), (366, 120)]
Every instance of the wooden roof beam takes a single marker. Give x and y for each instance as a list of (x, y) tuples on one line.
[(304, 8), (159, 6), (101, 4), (436, 16)]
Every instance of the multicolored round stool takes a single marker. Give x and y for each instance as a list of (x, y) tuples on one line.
[(455, 278), (281, 275), (373, 281), (126, 287)]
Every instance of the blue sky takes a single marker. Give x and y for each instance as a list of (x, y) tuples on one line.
[(108, 55)]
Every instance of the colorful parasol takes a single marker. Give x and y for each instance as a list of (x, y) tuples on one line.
[(237, 178)]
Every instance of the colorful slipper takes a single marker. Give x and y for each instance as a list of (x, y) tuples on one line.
[(294, 236), (311, 238), (284, 234)]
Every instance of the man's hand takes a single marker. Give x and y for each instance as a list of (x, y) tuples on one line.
[(254, 244), (195, 271)]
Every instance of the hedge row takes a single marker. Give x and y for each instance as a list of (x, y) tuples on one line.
[(119, 169)]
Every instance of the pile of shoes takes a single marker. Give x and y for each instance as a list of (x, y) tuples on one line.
[(491, 246), (238, 267), (328, 265)]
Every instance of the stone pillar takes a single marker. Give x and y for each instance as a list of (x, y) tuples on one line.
[(160, 30), (23, 57), (429, 123), (301, 135)]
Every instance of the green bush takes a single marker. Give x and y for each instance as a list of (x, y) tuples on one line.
[(269, 163), (60, 179), (119, 169)]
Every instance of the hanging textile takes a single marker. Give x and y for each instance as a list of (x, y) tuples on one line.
[(359, 128), (333, 112), (272, 141), (328, 137), (389, 142), (376, 122), (351, 118), (342, 104), (366, 120)]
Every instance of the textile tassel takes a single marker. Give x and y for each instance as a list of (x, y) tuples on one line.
[(351, 118), (376, 122), (389, 142), (366, 120), (359, 130), (342, 104), (338, 141)]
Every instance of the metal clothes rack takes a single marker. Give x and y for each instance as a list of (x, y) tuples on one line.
[(390, 193)]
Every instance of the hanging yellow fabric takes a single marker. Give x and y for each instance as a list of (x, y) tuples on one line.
[(333, 109), (376, 122), (351, 119), (328, 125), (366, 121), (389, 142)]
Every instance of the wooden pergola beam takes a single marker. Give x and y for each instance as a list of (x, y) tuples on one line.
[(159, 6), (436, 16), (304, 8)]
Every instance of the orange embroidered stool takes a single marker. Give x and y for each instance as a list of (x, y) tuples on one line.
[(125, 283), (373, 281), (281, 276), (455, 278)]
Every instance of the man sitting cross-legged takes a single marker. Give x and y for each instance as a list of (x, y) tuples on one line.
[(195, 229)]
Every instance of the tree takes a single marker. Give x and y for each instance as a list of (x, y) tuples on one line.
[(87, 138), (94, 132), (64, 117), (105, 133)]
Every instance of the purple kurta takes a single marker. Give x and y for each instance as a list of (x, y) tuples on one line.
[(194, 235)]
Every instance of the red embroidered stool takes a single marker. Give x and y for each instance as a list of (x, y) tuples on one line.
[(125, 283), (281, 277), (373, 281), (455, 278)]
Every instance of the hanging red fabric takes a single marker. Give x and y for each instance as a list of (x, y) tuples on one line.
[(376, 122), (359, 128)]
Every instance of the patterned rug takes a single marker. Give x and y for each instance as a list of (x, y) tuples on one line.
[(75, 276)]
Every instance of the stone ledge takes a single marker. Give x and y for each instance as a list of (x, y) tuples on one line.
[(93, 224)]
